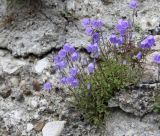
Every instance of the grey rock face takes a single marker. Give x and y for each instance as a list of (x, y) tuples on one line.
[(25, 108), (138, 101), (120, 124), (9, 66), (35, 32)]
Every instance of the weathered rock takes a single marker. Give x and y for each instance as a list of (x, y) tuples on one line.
[(41, 65), (29, 127), (53, 128), (14, 81), (3, 53), (35, 33), (17, 95), (11, 66), (120, 124), (138, 101), (146, 23), (34, 103)]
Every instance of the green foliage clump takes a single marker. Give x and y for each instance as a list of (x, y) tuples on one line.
[(107, 79)]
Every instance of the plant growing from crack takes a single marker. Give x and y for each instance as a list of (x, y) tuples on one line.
[(115, 63)]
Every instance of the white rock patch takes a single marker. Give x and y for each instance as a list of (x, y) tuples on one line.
[(41, 65), (53, 128)]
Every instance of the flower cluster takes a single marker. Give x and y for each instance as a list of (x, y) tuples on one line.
[(94, 49), (68, 52), (116, 40), (91, 24), (65, 58), (121, 28), (92, 28)]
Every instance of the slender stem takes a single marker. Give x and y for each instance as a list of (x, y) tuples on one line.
[(133, 17), (73, 93)]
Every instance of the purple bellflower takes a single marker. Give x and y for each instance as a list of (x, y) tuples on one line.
[(89, 31), (74, 56), (91, 25), (73, 82), (148, 42), (96, 24), (151, 40), (139, 56), (68, 48), (122, 26), (47, 86), (113, 39), (90, 68), (59, 62), (62, 53), (73, 72), (96, 38), (61, 65), (63, 80), (156, 58), (92, 48), (85, 22), (120, 41), (133, 4)]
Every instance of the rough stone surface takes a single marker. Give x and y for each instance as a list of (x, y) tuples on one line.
[(11, 66), (138, 101), (29, 127), (33, 34), (120, 124)]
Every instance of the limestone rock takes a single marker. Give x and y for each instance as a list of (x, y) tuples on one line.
[(120, 124), (29, 127), (41, 65), (53, 128), (11, 66), (138, 101)]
